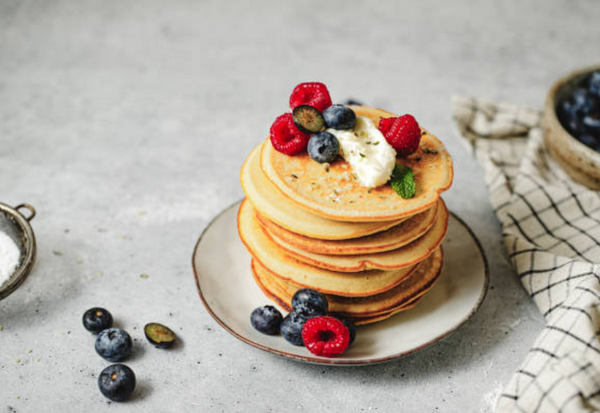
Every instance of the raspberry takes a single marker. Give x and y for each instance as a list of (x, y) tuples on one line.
[(325, 336), (403, 133), (314, 94), (286, 137)]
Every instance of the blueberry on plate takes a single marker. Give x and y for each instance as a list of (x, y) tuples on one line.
[(113, 344), (349, 324), (352, 102), (97, 319), (594, 83), (159, 335), (339, 117), (310, 303), (323, 147), (308, 119), (266, 319), (291, 328), (117, 382)]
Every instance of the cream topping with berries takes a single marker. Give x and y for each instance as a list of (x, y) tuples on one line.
[(365, 148)]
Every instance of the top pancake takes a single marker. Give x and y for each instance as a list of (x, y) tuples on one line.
[(273, 205), (331, 192)]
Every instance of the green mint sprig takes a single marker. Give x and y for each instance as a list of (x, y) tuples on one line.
[(403, 181)]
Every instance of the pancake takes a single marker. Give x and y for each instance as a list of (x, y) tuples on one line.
[(407, 291), (357, 320), (393, 238), (403, 257), (331, 192), (264, 250), (274, 206)]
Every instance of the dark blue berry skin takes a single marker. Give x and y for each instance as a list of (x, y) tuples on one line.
[(594, 83), (117, 382), (569, 118), (352, 102), (592, 124), (348, 323), (323, 147), (339, 117), (291, 328), (590, 141), (113, 344), (310, 303), (266, 319), (584, 102), (97, 319)]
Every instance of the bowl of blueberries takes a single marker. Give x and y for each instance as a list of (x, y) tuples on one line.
[(572, 125)]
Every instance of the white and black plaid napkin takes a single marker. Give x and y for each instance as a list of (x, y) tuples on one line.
[(551, 228)]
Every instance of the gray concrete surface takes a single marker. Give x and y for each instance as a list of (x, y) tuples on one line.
[(125, 124)]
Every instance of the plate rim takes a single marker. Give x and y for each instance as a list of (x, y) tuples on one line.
[(333, 361)]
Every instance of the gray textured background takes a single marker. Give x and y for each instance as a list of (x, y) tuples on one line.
[(125, 124)]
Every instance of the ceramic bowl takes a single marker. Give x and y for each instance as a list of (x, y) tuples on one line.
[(578, 160)]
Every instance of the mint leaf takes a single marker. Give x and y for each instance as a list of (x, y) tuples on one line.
[(403, 181)]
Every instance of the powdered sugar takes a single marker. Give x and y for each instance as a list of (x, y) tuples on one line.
[(10, 255)]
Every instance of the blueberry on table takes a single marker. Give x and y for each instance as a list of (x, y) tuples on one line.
[(266, 319), (97, 319), (310, 303), (159, 335), (339, 117), (291, 328), (113, 344), (308, 119), (323, 147), (117, 382)]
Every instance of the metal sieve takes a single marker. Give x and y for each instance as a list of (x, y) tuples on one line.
[(17, 227)]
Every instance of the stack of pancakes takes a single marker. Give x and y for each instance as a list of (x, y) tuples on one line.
[(310, 225)]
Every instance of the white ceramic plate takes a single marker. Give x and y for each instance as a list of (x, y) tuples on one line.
[(229, 293)]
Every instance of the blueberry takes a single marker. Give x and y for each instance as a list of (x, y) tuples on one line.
[(590, 141), (348, 323), (97, 319), (113, 344), (266, 319), (569, 118), (159, 335), (308, 119), (592, 124), (339, 117), (594, 83), (352, 102), (117, 382), (323, 147), (291, 328), (310, 303), (584, 102)]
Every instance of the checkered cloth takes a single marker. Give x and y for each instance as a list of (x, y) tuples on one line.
[(551, 228)]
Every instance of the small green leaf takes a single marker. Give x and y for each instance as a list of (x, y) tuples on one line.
[(403, 181)]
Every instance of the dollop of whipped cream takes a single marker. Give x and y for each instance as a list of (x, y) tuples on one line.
[(371, 157)]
